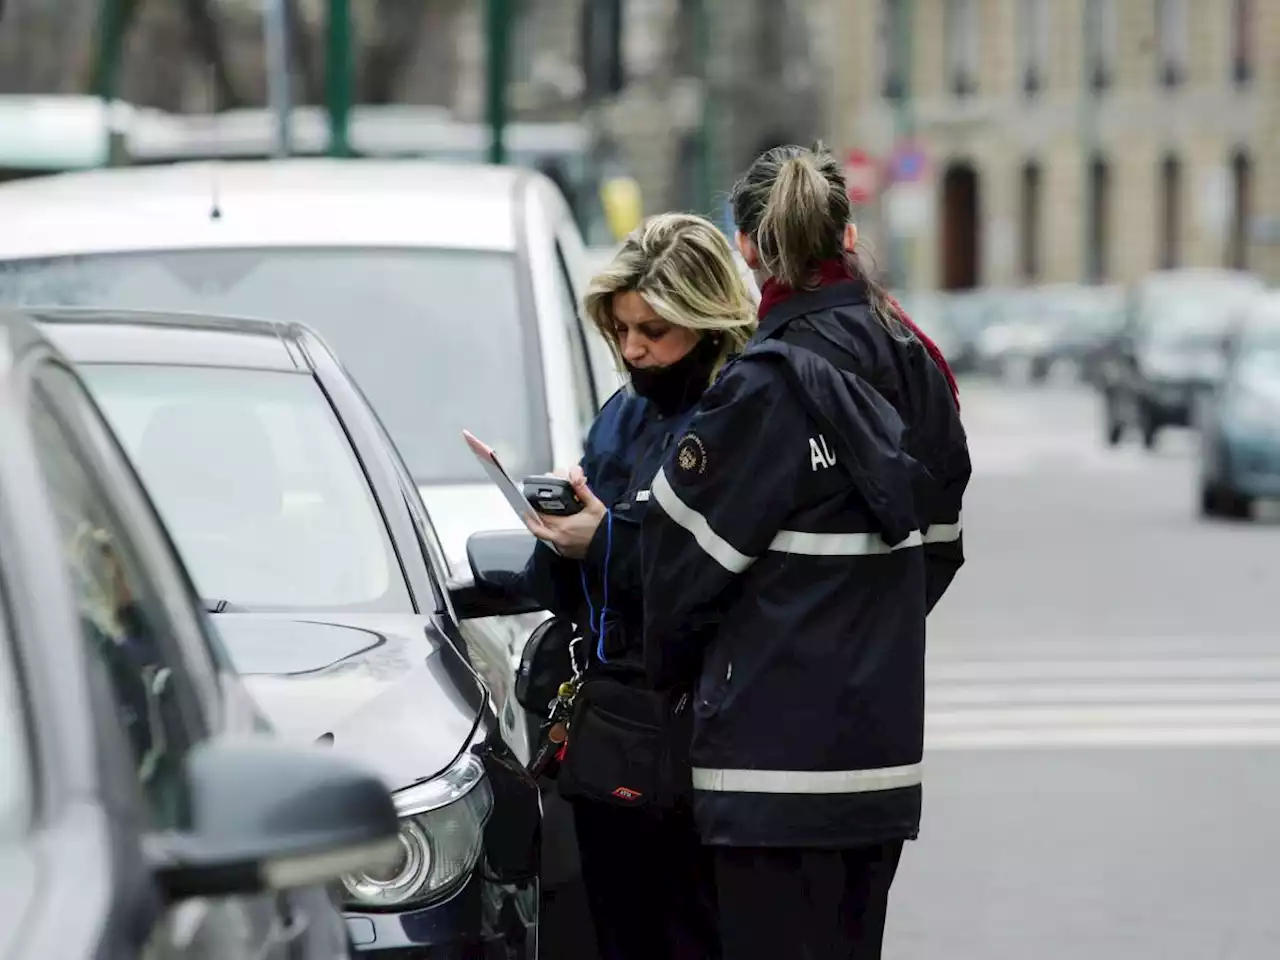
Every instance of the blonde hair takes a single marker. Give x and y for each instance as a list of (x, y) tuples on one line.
[(684, 269)]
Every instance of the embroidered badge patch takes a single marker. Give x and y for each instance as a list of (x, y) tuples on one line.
[(691, 455)]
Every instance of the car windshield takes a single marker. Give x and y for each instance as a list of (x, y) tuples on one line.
[(14, 762), (1188, 324), (433, 336), (256, 479)]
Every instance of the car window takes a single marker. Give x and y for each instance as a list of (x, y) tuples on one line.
[(122, 618), (258, 483), (15, 758), (436, 335), (583, 382)]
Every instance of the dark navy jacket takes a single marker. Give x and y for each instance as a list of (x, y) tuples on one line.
[(623, 451), (790, 560)]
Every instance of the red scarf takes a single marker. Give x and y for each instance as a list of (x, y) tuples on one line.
[(832, 272)]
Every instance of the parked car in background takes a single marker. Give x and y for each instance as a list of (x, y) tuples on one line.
[(1168, 354), (321, 570), (928, 310), (1240, 430), (1084, 319), (450, 292), (967, 314), (141, 790), (1018, 336)]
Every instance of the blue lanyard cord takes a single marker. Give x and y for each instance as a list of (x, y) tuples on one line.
[(597, 626)]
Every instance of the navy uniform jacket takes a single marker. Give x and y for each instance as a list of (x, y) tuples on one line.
[(622, 454), (790, 562)]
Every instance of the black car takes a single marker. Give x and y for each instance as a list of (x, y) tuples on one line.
[(309, 544), (1168, 356), (140, 789)]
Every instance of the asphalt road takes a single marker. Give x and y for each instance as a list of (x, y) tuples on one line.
[(1103, 760)]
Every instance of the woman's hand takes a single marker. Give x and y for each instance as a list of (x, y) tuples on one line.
[(570, 535)]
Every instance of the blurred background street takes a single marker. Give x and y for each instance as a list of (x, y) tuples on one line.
[(1104, 708), (1079, 199)]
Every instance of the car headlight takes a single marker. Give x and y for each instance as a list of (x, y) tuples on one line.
[(441, 838)]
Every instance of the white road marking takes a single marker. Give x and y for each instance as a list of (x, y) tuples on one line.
[(1102, 703)]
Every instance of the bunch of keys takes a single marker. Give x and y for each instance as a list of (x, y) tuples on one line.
[(555, 729)]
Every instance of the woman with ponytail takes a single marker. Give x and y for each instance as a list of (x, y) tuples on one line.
[(802, 528)]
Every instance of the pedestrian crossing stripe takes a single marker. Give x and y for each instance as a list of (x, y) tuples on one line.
[(1103, 704)]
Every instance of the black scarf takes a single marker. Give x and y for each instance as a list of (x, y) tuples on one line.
[(678, 386)]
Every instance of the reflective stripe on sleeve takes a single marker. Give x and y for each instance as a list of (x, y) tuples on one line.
[(839, 544), (858, 544), (807, 781), (716, 547), (944, 532)]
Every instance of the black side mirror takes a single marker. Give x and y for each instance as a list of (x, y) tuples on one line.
[(545, 664), (497, 561), (267, 816)]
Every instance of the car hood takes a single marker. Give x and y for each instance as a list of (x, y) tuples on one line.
[(390, 690), (459, 510)]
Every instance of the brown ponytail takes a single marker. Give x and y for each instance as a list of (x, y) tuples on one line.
[(792, 202), (794, 233)]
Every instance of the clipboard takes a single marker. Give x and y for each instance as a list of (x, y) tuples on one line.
[(493, 468)]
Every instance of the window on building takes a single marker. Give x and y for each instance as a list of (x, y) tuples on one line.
[(963, 46), (1242, 45), (601, 47), (891, 31), (1098, 263), (1241, 210), (1172, 41), (687, 57), (522, 44), (1100, 43), (1031, 217), (772, 21), (1170, 212), (1033, 45)]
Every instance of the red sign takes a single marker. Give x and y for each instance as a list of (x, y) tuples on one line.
[(861, 177)]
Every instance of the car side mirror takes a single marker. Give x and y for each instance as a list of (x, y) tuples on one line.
[(267, 816), (545, 664), (496, 589)]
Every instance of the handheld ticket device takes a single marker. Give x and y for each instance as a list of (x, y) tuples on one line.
[(551, 495)]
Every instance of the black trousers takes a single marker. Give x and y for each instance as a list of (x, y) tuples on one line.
[(649, 882), (804, 904)]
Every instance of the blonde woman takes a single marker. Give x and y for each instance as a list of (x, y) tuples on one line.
[(673, 307)]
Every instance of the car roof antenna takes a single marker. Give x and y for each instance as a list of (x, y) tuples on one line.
[(215, 185)]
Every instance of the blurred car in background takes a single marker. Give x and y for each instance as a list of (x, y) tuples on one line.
[(141, 791), (450, 292), (928, 310), (967, 314), (1169, 352), (1240, 429), (1018, 336), (306, 540), (1057, 330), (1085, 319)]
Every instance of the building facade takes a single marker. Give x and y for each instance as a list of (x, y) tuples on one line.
[(700, 87), (1063, 140)]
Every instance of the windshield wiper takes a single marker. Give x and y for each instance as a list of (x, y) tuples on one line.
[(217, 606)]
